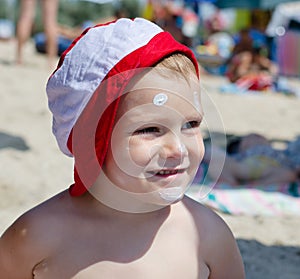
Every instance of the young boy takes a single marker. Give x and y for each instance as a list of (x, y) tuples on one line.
[(125, 102)]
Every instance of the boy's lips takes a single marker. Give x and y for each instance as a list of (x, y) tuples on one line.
[(167, 172)]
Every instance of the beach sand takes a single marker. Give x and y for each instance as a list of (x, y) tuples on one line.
[(33, 168)]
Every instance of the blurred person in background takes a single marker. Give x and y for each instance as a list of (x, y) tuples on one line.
[(25, 23), (249, 67)]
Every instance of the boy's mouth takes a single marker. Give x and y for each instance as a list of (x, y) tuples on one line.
[(167, 172)]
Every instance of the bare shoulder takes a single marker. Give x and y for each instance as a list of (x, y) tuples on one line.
[(212, 228), (31, 237), (217, 244), (204, 216)]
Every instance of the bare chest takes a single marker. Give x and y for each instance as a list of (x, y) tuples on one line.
[(157, 258), (145, 268)]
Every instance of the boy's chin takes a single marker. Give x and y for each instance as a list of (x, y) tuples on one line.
[(171, 195)]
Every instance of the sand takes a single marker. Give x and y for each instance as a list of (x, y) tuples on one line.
[(33, 169)]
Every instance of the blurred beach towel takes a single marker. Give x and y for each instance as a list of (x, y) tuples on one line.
[(271, 200)]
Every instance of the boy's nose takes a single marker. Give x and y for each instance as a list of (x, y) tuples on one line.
[(173, 147)]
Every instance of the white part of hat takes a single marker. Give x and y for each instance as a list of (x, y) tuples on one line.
[(84, 67)]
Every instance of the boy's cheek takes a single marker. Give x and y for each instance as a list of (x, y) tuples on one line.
[(199, 148), (139, 154)]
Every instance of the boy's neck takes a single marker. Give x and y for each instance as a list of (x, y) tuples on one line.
[(97, 207)]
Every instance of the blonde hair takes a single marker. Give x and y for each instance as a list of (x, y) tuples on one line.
[(177, 63)]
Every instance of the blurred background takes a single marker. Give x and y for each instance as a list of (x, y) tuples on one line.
[(211, 27)]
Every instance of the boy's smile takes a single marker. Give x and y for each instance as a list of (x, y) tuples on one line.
[(156, 148)]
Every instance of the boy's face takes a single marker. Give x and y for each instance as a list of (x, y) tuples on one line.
[(156, 145)]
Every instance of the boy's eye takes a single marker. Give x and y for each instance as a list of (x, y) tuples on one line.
[(191, 124), (148, 130)]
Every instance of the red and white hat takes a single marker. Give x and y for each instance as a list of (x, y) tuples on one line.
[(99, 53)]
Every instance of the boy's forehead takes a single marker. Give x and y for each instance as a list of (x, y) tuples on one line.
[(158, 97), (153, 84), (153, 101), (159, 90)]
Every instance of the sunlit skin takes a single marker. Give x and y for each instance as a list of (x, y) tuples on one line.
[(153, 149)]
